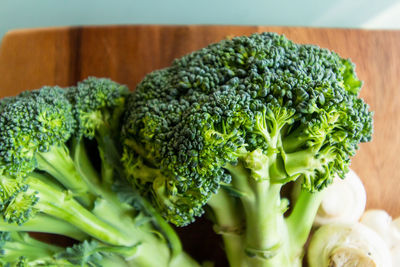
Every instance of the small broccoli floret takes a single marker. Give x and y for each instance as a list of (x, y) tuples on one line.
[(97, 106), (246, 115), (35, 127)]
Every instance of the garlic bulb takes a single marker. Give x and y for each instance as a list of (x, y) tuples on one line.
[(347, 245), (344, 201)]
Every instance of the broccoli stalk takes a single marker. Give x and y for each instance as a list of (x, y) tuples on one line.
[(60, 165), (43, 223), (231, 125), (19, 249)]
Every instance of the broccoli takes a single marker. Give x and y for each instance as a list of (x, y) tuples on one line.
[(49, 184), (229, 126), (20, 249), (98, 106)]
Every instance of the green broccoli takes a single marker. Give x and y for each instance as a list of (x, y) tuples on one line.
[(49, 184), (21, 250), (98, 105), (230, 125)]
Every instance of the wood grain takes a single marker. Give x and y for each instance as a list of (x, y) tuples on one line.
[(62, 56)]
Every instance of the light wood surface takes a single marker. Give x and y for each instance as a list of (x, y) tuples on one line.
[(62, 56)]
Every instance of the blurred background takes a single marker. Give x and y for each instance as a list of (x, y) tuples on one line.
[(370, 14)]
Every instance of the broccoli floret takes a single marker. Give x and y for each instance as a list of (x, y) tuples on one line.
[(35, 128), (49, 184), (97, 106), (233, 123)]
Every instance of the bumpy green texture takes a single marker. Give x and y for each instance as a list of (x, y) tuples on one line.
[(32, 123), (97, 104), (185, 123)]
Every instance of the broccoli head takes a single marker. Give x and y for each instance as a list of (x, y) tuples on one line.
[(230, 124), (297, 104), (31, 123), (97, 103)]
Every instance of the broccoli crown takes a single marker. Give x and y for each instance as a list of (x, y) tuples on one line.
[(297, 104), (32, 122), (96, 102)]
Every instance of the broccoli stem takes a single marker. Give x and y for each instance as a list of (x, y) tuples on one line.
[(114, 260), (21, 244), (110, 209), (268, 239), (58, 163), (122, 216), (61, 205), (265, 234), (301, 219), (107, 206), (110, 159), (85, 169), (45, 224), (172, 237), (229, 224), (297, 162)]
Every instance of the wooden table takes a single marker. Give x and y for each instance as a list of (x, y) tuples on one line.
[(63, 56)]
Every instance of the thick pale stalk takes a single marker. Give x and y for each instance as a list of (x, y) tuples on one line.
[(229, 223), (266, 233)]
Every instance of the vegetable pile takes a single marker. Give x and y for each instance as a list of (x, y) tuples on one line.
[(223, 131), (59, 164)]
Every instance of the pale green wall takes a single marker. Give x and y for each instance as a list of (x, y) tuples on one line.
[(325, 13)]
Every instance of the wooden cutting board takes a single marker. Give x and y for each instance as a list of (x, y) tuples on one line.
[(62, 56)]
